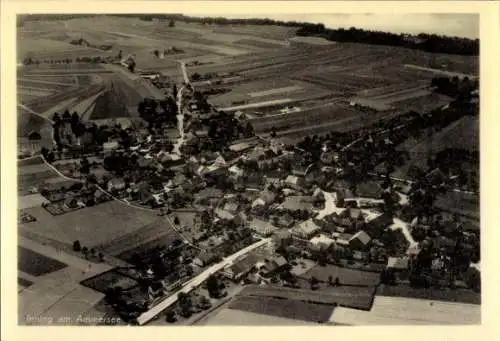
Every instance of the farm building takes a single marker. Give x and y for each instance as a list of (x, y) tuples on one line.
[(262, 227), (239, 269), (305, 229), (204, 259), (398, 263), (321, 242), (298, 202), (359, 241), (273, 266)]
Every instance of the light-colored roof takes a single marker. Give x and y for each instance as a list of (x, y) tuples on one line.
[(258, 202), (292, 179), (307, 227), (321, 239), (224, 214), (409, 311), (262, 227), (110, 145), (32, 200), (236, 170), (298, 202), (238, 147), (397, 262), (361, 236)]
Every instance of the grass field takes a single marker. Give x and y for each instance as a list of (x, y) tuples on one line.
[(353, 297), (93, 226), (36, 264), (346, 276)]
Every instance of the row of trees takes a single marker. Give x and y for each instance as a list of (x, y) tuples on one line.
[(425, 42)]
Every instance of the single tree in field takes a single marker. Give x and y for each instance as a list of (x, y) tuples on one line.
[(330, 280), (176, 220), (76, 246), (337, 282), (273, 132), (156, 53), (314, 283)]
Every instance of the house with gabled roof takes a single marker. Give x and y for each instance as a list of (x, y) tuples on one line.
[(359, 241)]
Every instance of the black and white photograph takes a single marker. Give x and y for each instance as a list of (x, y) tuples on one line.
[(197, 169)]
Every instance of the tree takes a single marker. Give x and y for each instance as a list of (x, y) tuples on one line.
[(185, 304), (156, 53), (213, 287), (93, 252), (76, 246), (101, 257), (85, 252), (56, 118), (171, 23), (314, 283), (170, 316), (176, 220), (273, 132), (174, 90)]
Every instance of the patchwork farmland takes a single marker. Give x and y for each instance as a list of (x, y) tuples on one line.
[(151, 173)]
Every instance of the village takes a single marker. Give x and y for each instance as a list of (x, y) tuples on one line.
[(329, 218)]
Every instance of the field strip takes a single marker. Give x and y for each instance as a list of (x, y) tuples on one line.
[(257, 105), (43, 82), (35, 92), (275, 91), (83, 106), (34, 113), (401, 92), (225, 50), (406, 96), (439, 72), (60, 106), (312, 40)]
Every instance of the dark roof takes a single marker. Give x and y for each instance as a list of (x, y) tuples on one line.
[(206, 256)]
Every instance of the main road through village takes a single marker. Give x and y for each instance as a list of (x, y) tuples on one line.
[(196, 281)]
